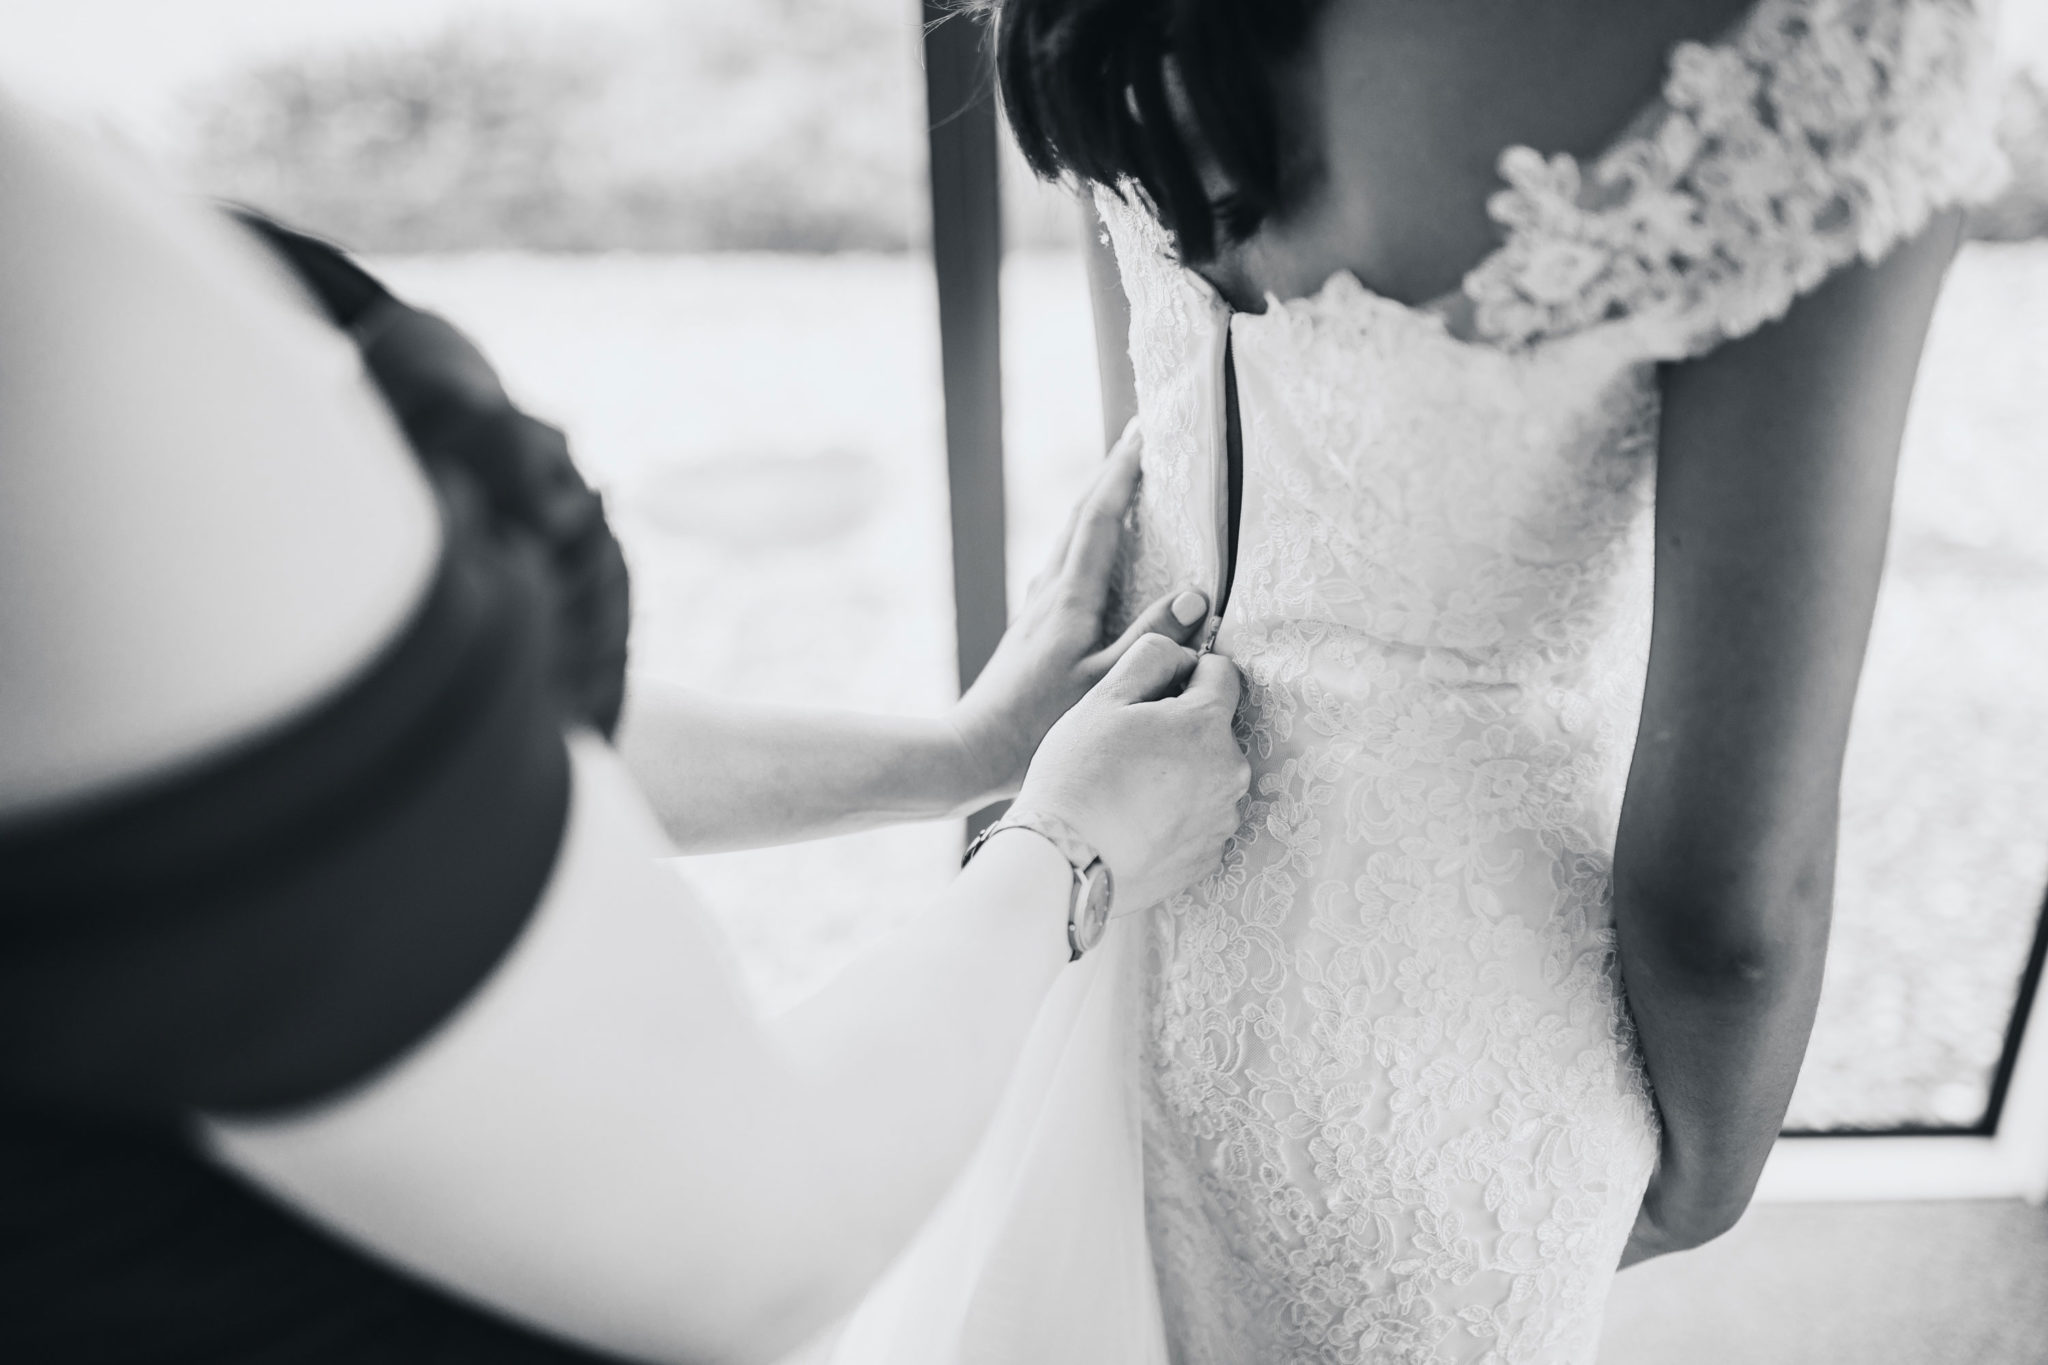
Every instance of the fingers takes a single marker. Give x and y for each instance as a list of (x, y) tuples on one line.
[(1215, 680), (1151, 668), (1179, 616), (1130, 435), (1119, 470), (1056, 562), (1100, 526)]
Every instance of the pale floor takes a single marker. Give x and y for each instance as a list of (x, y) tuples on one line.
[(1962, 1283), (1958, 1283)]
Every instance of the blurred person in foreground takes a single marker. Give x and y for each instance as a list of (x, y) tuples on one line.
[(346, 1011)]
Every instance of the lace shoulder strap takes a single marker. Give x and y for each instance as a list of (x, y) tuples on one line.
[(1817, 132)]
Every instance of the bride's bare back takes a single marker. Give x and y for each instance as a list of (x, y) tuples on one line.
[(1409, 106)]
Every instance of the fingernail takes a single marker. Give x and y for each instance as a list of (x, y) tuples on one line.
[(1189, 607)]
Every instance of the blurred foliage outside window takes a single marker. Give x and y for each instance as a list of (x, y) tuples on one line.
[(782, 125)]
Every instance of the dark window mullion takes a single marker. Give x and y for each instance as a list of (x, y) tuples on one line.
[(967, 253)]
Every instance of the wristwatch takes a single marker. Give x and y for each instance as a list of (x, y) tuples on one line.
[(1089, 900)]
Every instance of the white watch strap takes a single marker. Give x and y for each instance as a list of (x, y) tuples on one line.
[(1082, 859), (1078, 852)]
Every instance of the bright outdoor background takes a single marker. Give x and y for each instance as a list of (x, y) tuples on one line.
[(691, 232)]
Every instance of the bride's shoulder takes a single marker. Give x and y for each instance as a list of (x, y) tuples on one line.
[(1688, 166), (1807, 135), (207, 519)]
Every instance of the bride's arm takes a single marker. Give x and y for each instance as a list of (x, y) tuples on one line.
[(1774, 486), (723, 774)]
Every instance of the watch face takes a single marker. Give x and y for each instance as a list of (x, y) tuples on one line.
[(1091, 908)]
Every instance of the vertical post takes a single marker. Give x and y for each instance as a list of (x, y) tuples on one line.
[(2016, 1029), (967, 253)]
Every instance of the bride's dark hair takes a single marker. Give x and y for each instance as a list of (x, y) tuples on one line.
[(1147, 89)]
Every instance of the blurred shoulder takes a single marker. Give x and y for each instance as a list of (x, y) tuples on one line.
[(207, 519)]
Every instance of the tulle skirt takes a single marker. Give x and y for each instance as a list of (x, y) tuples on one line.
[(1038, 1253)]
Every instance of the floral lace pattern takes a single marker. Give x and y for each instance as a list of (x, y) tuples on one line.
[(1395, 1112), (1394, 1108), (1820, 132)]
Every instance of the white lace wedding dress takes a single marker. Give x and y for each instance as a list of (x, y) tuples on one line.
[(1370, 1093)]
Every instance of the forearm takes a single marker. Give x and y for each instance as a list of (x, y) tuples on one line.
[(724, 774), (1722, 1036), (1774, 483), (1723, 891), (836, 1137), (606, 1142)]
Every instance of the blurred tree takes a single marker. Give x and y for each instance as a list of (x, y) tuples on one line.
[(456, 142), (780, 124)]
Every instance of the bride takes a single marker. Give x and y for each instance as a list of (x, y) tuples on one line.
[(1508, 972)]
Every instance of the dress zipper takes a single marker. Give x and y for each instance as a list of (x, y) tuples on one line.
[(1225, 491)]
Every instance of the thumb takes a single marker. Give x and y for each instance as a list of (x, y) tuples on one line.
[(1216, 680), (1150, 669), (1179, 616)]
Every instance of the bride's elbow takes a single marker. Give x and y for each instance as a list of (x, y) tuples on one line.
[(1736, 947), (1730, 913), (1722, 965)]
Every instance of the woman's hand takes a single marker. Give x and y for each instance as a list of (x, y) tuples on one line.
[(1054, 651), (1147, 772)]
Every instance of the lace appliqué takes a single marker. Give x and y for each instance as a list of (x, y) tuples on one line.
[(1172, 356), (1395, 1111), (1822, 131)]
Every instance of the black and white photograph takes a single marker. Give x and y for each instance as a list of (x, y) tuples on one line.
[(1023, 682)]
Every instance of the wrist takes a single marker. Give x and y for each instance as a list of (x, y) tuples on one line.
[(1072, 806), (1024, 869), (977, 763), (1093, 890)]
